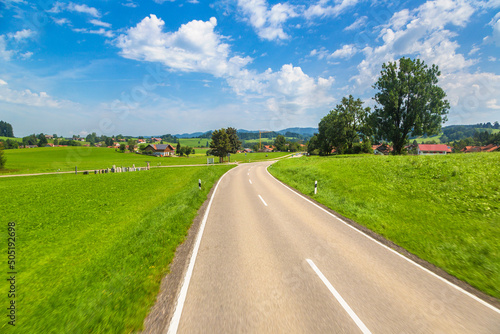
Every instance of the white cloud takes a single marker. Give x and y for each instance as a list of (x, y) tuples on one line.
[(321, 9), (29, 98), (101, 31), (419, 33), (72, 7), (495, 24), (58, 7), (346, 52), (472, 96), (492, 104), (61, 21), (4, 53), (474, 50), (26, 55), (195, 47), (130, 4), (268, 23), (22, 34), (360, 21), (491, 58), (100, 23)]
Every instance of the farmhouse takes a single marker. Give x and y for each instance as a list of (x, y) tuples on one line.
[(425, 149), (161, 150), (487, 148), (381, 149)]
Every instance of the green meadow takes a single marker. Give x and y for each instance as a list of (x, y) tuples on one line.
[(92, 249), (53, 159), (444, 209)]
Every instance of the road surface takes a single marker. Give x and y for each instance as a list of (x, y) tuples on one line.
[(270, 261)]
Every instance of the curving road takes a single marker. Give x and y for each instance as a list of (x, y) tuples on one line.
[(270, 261)]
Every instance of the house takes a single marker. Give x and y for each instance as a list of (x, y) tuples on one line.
[(140, 141), (161, 150), (267, 148), (487, 148), (49, 145), (381, 149), (156, 139), (425, 149), (49, 136)]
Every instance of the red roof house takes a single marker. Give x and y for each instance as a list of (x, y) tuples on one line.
[(433, 149)]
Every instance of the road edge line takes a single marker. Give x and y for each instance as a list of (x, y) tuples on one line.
[(479, 300), (174, 322)]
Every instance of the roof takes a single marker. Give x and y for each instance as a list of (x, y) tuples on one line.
[(434, 148), (162, 147)]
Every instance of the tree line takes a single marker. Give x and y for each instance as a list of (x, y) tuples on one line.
[(408, 103)]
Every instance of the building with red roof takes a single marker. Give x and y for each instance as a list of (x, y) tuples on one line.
[(424, 149)]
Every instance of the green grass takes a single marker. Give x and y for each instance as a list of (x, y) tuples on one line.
[(92, 249), (52, 159), (20, 140), (445, 209)]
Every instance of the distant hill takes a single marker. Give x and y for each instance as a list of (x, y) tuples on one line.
[(301, 131), (306, 132)]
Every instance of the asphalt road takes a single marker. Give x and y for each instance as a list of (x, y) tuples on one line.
[(270, 261)]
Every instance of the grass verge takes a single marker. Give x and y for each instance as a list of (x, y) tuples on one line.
[(92, 249), (444, 209)]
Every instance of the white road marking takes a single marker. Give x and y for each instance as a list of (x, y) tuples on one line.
[(339, 298), (250, 181), (491, 307), (176, 318), (263, 200)]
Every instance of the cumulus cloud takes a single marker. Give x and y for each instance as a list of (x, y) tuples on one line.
[(58, 7), (321, 9), (346, 52), (101, 31), (100, 23), (29, 98), (197, 47), (4, 53), (268, 23), (22, 34), (360, 21), (420, 33)]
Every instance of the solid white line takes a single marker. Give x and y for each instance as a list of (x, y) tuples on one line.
[(339, 298), (176, 318), (250, 181), (263, 200), (493, 308)]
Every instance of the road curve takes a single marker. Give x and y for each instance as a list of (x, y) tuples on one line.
[(271, 262)]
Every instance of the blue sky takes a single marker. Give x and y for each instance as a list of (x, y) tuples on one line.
[(156, 67)]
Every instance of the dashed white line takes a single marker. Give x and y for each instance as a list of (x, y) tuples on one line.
[(263, 200), (250, 181), (479, 300), (339, 298)]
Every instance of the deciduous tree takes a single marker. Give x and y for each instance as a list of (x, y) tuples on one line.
[(220, 144), (409, 102)]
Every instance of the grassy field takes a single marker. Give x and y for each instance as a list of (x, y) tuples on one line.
[(20, 140), (92, 249), (52, 159), (445, 209)]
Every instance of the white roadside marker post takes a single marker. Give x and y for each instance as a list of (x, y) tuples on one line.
[(199, 183), (315, 187)]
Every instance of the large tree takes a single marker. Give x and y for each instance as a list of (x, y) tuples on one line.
[(6, 129), (220, 144), (344, 126), (234, 141), (280, 143), (409, 102)]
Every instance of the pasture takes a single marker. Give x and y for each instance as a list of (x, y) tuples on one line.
[(444, 209), (92, 249), (54, 159)]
